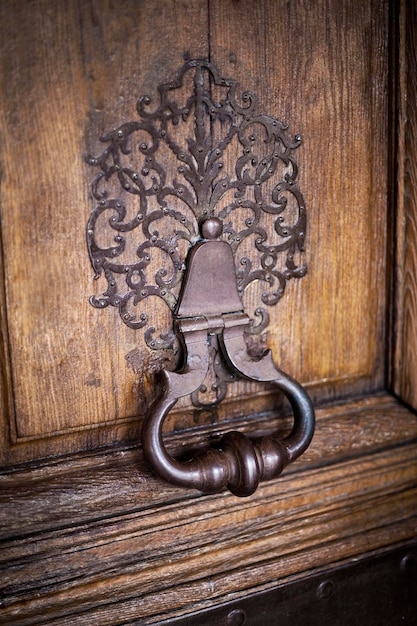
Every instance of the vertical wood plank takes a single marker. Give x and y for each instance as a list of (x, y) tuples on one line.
[(404, 373), (321, 67)]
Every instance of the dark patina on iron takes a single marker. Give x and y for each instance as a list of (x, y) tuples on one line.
[(208, 274)]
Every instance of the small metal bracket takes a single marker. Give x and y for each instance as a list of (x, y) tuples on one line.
[(208, 221)]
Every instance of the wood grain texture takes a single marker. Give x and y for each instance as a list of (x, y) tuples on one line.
[(97, 539), (78, 377), (405, 354), (70, 72), (88, 534), (322, 68)]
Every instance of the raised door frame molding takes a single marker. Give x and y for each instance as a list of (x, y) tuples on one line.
[(404, 198)]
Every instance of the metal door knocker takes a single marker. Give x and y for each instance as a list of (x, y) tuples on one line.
[(197, 128)]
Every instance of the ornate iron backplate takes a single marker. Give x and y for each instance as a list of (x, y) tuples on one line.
[(196, 133)]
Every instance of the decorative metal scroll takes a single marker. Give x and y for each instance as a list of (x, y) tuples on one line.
[(197, 126)]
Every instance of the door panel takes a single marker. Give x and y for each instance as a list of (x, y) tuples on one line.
[(69, 75), (78, 377), (89, 534)]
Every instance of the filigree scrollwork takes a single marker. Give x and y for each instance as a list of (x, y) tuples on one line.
[(137, 196)]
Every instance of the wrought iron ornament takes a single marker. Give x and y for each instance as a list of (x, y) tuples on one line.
[(207, 221), (256, 183)]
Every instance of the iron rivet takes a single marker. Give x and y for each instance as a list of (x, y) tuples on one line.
[(325, 590), (408, 562), (237, 617)]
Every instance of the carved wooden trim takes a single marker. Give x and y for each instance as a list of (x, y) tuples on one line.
[(97, 537)]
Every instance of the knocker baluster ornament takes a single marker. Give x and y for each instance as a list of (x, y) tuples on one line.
[(208, 222)]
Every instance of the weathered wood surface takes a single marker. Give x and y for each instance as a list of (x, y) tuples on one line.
[(71, 72), (309, 64), (55, 491), (98, 533), (405, 352), (75, 377), (91, 536)]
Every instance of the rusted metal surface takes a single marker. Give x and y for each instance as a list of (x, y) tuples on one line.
[(205, 284)]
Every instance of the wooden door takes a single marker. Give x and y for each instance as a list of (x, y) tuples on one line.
[(90, 535)]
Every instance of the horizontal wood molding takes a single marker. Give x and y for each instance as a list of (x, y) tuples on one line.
[(97, 537)]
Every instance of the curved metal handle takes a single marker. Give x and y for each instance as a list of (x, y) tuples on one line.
[(238, 463)]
